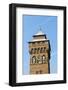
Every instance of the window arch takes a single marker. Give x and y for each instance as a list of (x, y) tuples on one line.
[(44, 49), (38, 50), (32, 51), (35, 50), (39, 59), (43, 59), (41, 50), (33, 59)]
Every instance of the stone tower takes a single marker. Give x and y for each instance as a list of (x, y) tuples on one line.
[(39, 50)]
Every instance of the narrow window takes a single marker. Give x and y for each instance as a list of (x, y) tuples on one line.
[(41, 50), (43, 59), (35, 50), (33, 59), (36, 72), (38, 50), (32, 51), (40, 71), (44, 49)]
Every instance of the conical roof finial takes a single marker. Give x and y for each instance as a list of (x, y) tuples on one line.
[(39, 31)]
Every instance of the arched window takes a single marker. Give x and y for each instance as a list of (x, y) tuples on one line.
[(43, 59), (33, 59), (39, 59), (44, 49), (40, 71), (41, 50), (38, 50), (35, 50), (32, 51)]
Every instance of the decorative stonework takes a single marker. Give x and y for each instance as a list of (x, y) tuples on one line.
[(39, 50)]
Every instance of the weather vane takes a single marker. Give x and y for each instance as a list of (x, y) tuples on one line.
[(40, 28)]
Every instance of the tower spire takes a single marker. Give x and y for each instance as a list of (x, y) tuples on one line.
[(40, 29)]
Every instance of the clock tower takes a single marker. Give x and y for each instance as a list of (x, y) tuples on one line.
[(39, 50)]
